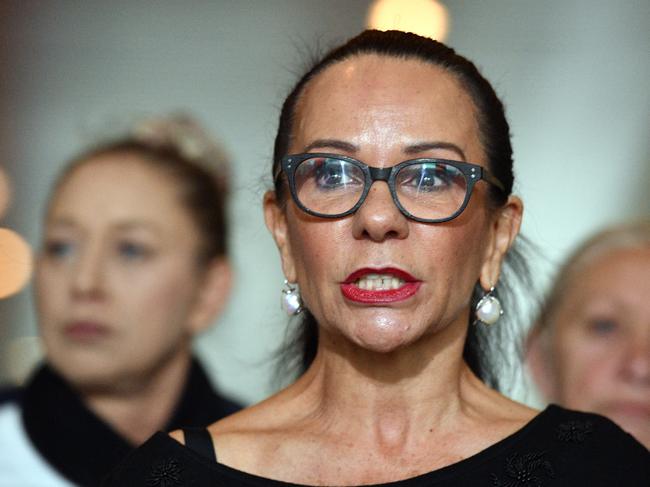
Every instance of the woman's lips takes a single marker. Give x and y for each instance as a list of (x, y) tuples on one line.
[(85, 331), (379, 286)]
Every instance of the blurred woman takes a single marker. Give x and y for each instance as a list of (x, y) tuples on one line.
[(133, 265), (393, 215), (590, 347)]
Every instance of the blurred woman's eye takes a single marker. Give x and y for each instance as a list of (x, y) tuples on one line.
[(603, 326), (58, 248), (132, 250)]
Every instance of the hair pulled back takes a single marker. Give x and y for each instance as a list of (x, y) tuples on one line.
[(178, 147), (479, 352)]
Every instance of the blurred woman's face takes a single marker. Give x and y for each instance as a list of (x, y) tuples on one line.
[(382, 111), (601, 343), (117, 279)]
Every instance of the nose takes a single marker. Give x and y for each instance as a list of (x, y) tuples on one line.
[(87, 281), (379, 218), (636, 365)]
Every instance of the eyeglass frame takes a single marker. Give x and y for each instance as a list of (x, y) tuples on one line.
[(472, 173)]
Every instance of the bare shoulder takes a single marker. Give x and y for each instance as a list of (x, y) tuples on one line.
[(178, 435), (246, 439), (500, 417), (491, 415)]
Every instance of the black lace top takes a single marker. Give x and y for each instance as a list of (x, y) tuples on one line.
[(557, 448)]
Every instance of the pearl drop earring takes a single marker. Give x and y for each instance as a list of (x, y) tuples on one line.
[(291, 302), (488, 309)]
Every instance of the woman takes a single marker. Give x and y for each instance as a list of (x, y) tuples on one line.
[(393, 174), (590, 347), (133, 265)]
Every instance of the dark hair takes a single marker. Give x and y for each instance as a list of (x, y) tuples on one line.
[(495, 139), (177, 146)]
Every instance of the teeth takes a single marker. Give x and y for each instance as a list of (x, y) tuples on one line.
[(380, 282)]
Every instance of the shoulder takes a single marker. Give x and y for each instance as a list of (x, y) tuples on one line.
[(577, 448), (160, 458), (25, 465), (600, 433), (9, 394)]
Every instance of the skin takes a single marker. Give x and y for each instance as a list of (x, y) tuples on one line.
[(388, 396), (597, 356), (123, 257)]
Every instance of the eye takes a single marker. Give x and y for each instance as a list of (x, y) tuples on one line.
[(428, 177), (58, 248), (129, 250), (332, 174), (603, 326)]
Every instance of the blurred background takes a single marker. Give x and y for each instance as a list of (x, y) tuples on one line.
[(573, 75)]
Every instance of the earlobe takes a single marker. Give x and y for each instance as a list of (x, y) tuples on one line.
[(276, 222), (505, 229), (213, 295)]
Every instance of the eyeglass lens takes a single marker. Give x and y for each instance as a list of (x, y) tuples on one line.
[(428, 190)]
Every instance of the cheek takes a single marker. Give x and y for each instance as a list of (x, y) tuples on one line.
[(163, 294), (586, 370), (51, 294), (319, 252), (454, 259)]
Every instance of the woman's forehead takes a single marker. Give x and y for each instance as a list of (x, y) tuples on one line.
[(383, 97)]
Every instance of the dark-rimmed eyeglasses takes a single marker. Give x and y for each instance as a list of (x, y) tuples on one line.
[(425, 190)]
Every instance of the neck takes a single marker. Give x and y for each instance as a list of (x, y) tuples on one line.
[(393, 397), (147, 404)]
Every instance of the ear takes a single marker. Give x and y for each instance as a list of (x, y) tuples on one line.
[(505, 228), (538, 360), (213, 295), (276, 221)]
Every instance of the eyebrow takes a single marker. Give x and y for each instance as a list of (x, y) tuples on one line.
[(411, 149), (425, 146), (137, 225), (67, 222), (332, 144)]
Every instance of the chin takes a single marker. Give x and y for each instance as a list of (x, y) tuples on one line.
[(383, 337), (85, 373)]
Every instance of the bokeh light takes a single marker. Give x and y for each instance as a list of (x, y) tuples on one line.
[(5, 192), (427, 18), (15, 262)]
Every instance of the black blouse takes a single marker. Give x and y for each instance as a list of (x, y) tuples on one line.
[(80, 445), (557, 448)]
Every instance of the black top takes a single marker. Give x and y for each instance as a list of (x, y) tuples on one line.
[(557, 448), (84, 448)]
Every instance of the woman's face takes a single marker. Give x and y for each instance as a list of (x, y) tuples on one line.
[(601, 341), (382, 111), (117, 281)]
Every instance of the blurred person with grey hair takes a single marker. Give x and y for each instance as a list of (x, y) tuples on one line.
[(133, 265), (590, 347)]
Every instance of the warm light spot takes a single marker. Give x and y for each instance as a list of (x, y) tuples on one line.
[(15, 262), (5, 192), (427, 18), (24, 354)]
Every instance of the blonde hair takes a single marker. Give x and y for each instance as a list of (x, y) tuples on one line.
[(179, 146)]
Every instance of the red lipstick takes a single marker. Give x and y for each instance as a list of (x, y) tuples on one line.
[(353, 292)]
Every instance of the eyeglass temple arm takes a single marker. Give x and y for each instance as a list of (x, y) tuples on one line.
[(487, 175)]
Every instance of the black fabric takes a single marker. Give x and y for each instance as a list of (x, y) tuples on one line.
[(81, 446), (10, 394), (199, 440), (559, 448)]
